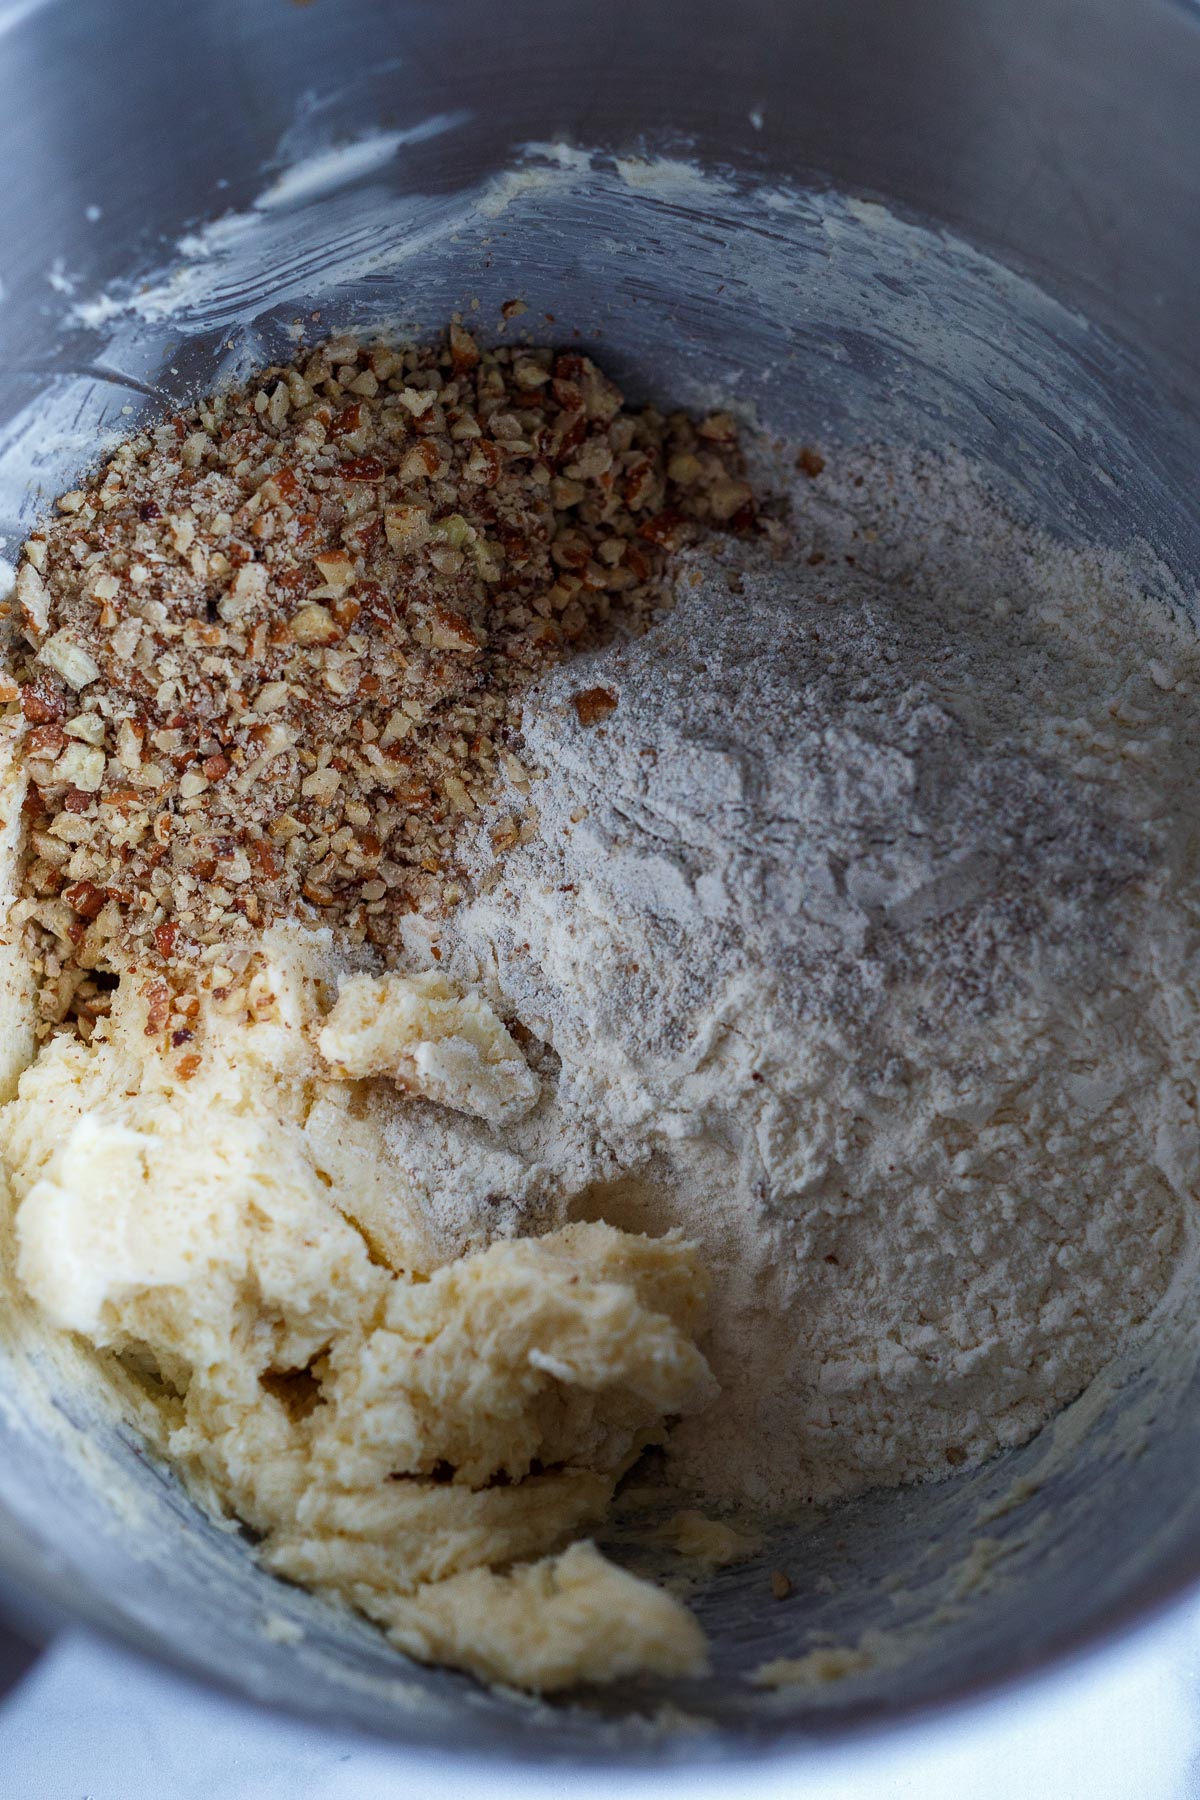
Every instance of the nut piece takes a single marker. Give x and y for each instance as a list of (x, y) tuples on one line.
[(69, 659), (314, 624), (725, 498), (89, 727), (406, 527), (80, 766), (271, 697), (594, 704), (338, 570), (31, 596), (321, 785), (246, 592), (450, 631), (464, 351)]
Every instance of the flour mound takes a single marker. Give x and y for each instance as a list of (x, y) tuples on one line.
[(860, 934)]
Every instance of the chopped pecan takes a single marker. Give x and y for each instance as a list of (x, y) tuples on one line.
[(593, 704)]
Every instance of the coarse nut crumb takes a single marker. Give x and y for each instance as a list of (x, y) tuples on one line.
[(271, 658)]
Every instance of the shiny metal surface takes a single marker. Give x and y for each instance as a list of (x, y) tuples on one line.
[(1058, 136)]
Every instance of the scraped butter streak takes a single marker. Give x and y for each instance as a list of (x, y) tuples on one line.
[(423, 1440)]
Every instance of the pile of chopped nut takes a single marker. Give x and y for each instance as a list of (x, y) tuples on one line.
[(271, 661)]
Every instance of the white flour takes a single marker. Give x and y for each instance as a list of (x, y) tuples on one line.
[(860, 937)]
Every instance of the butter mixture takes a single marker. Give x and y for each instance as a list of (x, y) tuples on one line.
[(401, 1438)]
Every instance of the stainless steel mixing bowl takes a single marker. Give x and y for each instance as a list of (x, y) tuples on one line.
[(1056, 136)]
